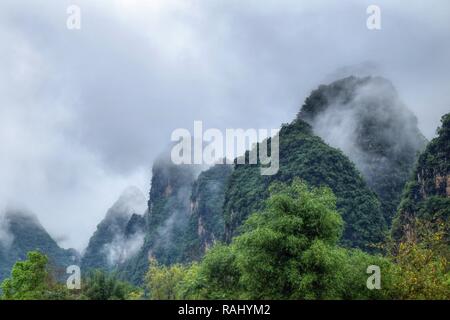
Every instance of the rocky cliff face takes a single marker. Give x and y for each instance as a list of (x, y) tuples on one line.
[(184, 218), (167, 218), (426, 198), (120, 235), (21, 232), (365, 118), (206, 223)]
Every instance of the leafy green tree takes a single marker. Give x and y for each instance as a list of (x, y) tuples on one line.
[(31, 280), (304, 155), (163, 281), (274, 243), (421, 264), (216, 277), (100, 285), (289, 251)]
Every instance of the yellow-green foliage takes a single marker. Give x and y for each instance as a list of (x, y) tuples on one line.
[(162, 281), (420, 270)]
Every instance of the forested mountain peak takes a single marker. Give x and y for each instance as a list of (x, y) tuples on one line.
[(21, 232), (366, 119), (306, 156)]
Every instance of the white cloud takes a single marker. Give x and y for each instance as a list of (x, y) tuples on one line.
[(6, 237), (84, 113), (121, 249)]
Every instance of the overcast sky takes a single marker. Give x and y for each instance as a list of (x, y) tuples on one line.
[(83, 113)]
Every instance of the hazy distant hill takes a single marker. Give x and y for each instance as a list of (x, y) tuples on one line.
[(167, 218), (21, 232), (365, 118), (119, 235)]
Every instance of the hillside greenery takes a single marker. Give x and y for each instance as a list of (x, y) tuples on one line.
[(27, 234), (304, 155), (206, 224), (308, 232), (35, 279), (290, 250)]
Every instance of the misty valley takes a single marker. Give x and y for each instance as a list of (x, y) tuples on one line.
[(381, 196)]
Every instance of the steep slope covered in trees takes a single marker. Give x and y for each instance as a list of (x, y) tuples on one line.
[(306, 156), (365, 118), (166, 220), (426, 198), (21, 233)]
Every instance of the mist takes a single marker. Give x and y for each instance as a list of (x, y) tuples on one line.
[(6, 237), (375, 103), (83, 114), (123, 248)]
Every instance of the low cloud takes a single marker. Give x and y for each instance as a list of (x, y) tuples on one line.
[(6, 237), (123, 248), (370, 105)]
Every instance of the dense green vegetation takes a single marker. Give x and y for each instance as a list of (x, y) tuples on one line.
[(99, 285), (34, 279), (163, 281), (291, 251), (306, 156), (31, 280)]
